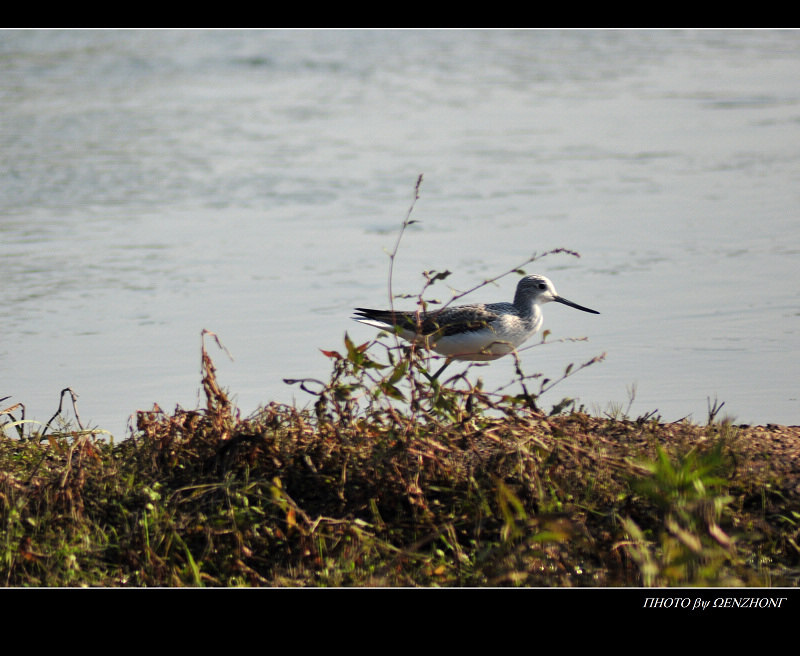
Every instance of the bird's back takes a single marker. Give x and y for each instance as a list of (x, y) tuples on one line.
[(443, 322)]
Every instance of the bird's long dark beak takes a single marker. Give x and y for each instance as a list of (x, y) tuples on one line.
[(561, 299)]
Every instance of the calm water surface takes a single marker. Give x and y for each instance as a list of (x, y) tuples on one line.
[(155, 183)]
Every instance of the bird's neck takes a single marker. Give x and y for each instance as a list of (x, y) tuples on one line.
[(526, 306)]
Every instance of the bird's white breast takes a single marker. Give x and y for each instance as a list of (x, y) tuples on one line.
[(506, 333)]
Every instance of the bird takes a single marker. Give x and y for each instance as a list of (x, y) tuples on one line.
[(475, 332)]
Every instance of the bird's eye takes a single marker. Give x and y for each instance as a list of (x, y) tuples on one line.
[(542, 285)]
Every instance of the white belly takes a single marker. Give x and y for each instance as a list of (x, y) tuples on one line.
[(474, 346), (486, 344)]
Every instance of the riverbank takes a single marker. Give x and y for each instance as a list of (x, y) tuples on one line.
[(393, 480)]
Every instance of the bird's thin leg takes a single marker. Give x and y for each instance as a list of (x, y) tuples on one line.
[(441, 369)]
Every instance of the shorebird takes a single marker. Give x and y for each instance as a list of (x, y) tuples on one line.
[(477, 332)]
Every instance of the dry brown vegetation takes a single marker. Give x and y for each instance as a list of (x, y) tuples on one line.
[(457, 488)]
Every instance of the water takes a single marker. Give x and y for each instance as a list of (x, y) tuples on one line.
[(155, 183)]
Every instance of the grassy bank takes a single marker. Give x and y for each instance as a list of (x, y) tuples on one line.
[(390, 479)]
